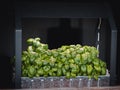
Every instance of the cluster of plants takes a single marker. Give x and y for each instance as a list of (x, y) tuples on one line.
[(68, 60)]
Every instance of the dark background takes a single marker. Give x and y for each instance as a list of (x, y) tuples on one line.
[(7, 25)]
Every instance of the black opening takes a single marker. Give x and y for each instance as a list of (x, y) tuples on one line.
[(64, 34)]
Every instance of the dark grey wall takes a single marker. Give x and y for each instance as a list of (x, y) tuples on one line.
[(6, 43)]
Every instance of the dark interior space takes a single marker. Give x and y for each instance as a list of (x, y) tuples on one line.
[(64, 34), (7, 34), (67, 31)]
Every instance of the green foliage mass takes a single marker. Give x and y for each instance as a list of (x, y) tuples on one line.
[(68, 60)]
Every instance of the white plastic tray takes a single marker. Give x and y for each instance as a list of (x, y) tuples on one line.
[(62, 82)]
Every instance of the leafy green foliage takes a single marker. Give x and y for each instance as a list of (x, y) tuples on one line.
[(68, 60)]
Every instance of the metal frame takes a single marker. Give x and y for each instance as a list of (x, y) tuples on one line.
[(67, 10)]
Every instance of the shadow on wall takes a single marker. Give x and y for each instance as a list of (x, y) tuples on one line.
[(64, 34)]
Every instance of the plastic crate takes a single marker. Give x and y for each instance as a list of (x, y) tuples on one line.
[(62, 82)]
